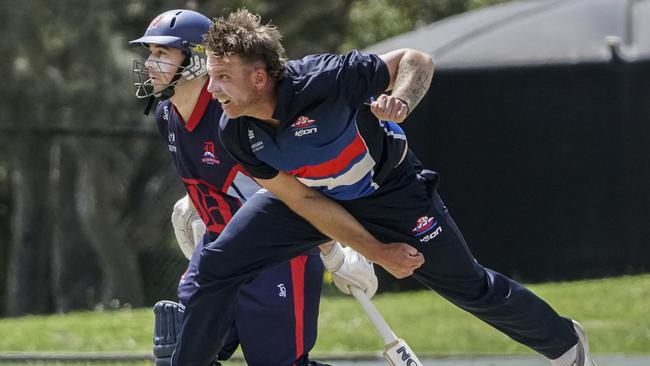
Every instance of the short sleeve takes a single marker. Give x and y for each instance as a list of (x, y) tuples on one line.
[(362, 76), (233, 134)]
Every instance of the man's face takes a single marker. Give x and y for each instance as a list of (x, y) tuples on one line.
[(162, 64), (232, 82)]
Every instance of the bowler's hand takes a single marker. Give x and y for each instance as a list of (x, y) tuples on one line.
[(389, 108), (399, 259)]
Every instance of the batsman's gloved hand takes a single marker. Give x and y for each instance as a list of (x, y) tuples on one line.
[(196, 67), (188, 226), (168, 321), (350, 268)]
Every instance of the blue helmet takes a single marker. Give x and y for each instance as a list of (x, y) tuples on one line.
[(179, 28), (176, 28)]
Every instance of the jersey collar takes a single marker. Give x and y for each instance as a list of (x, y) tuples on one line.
[(283, 100), (199, 109)]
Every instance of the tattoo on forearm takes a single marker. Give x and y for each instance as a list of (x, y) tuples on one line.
[(413, 80)]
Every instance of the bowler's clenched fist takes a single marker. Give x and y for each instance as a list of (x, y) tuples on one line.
[(389, 108)]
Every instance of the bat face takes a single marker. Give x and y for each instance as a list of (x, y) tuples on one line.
[(400, 354)]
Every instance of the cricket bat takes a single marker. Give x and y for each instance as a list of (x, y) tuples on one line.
[(396, 351)]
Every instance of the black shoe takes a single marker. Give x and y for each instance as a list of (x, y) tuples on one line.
[(304, 361)]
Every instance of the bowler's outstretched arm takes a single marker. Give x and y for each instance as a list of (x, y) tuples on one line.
[(400, 259)]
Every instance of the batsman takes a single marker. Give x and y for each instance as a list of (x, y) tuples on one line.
[(331, 169)]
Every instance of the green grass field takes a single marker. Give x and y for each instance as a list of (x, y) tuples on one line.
[(614, 311)]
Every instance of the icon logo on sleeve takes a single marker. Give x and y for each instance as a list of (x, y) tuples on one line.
[(166, 113)]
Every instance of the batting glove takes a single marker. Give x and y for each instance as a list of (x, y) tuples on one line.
[(350, 268)]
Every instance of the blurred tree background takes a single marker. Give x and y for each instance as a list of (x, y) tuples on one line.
[(86, 184)]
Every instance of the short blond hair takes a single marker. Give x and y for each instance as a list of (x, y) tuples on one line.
[(243, 35)]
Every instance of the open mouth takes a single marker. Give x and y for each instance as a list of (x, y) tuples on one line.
[(224, 101)]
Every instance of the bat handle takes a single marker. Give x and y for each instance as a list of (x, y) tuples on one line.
[(375, 317)]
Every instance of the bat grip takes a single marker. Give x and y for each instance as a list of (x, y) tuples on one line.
[(375, 317)]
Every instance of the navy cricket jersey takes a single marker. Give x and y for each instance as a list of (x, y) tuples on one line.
[(215, 183), (327, 138)]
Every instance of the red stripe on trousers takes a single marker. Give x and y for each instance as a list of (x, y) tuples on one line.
[(298, 279)]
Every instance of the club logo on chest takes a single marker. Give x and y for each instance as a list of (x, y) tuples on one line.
[(304, 126), (208, 156)]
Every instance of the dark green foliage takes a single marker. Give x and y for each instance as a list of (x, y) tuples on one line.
[(79, 210)]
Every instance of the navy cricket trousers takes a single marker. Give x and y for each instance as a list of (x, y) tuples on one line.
[(406, 209), (276, 316)]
